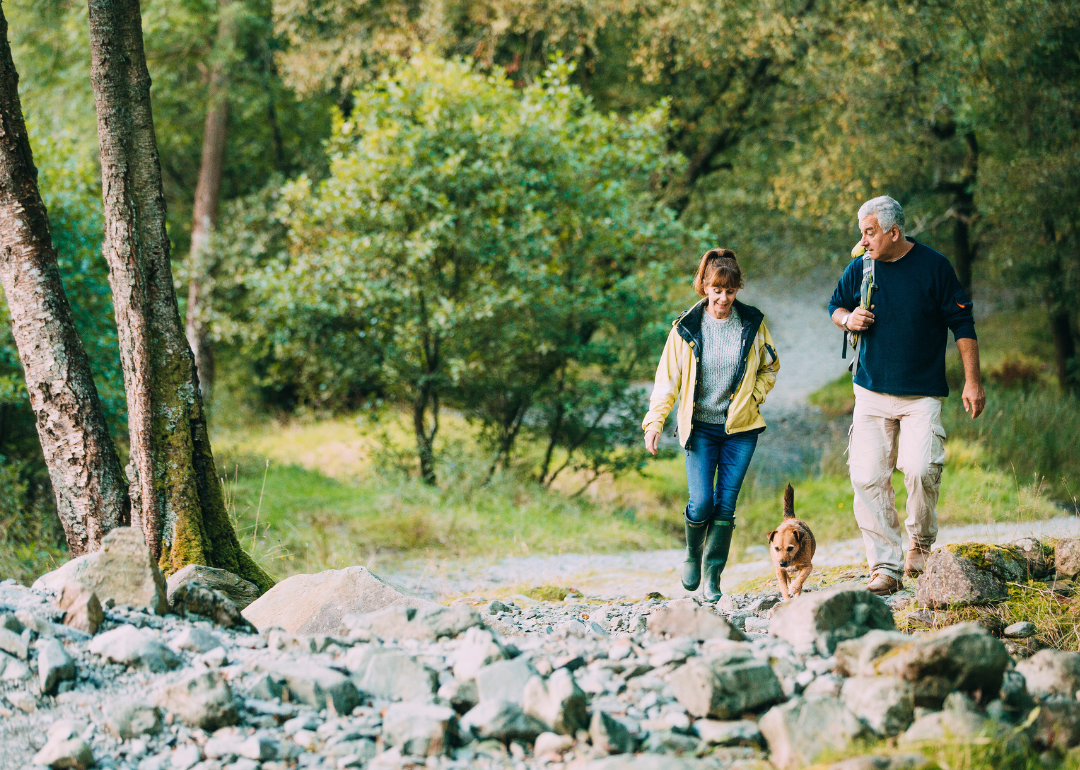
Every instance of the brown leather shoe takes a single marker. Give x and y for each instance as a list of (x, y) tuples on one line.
[(883, 585), (915, 561)]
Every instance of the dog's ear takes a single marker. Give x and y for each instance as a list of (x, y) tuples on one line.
[(798, 536), (771, 535)]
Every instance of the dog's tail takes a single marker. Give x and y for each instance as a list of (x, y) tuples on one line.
[(789, 502)]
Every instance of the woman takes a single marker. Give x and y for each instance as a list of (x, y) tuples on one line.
[(720, 360)]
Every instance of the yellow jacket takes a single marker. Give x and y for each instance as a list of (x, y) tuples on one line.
[(678, 374)]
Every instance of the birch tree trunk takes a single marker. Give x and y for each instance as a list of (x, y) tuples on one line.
[(208, 197), (91, 493), (175, 489)]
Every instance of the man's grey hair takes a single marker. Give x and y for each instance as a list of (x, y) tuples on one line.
[(888, 212)]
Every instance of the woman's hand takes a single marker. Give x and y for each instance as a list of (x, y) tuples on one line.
[(652, 441)]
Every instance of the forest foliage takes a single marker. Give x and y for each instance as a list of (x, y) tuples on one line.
[(489, 206)]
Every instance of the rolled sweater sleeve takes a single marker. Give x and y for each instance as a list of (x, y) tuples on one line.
[(846, 294), (956, 306)]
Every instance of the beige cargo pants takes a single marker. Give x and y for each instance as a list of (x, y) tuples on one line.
[(905, 433)]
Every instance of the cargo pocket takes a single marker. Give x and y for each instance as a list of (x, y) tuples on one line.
[(937, 452)]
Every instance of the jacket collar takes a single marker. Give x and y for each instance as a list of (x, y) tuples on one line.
[(689, 323)]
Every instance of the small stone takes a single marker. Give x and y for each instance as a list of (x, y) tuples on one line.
[(202, 700), (315, 685), (494, 607), (756, 625), (14, 644), (1051, 672), (478, 648), (801, 732), (504, 680), (693, 621), (65, 753), (719, 689), (610, 735), (1067, 558), (1021, 630), (501, 720), (391, 674), (557, 703), (427, 623), (195, 639), (54, 666), (239, 591), (959, 720), (194, 598), (81, 607), (129, 718), (671, 743), (1039, 557), (737, 733), (133, 647), (856, 657), (884, 762), (552, 745), (962, 657), (885, 703), (419, 729), (823, 619)]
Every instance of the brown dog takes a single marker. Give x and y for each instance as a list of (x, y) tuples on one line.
[(792, 548)]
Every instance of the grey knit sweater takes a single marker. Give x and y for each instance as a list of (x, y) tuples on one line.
[(721, 344)]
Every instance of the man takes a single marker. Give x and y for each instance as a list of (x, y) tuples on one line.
[(900, 384)]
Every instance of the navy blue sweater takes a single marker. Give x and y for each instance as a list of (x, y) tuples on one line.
[(917, 300)]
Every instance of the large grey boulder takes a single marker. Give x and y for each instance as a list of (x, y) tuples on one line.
[(718, 688), (323, 688), (134, 647), (822, 619), (501, 720), (202, 700), (239, 591), (316, 604), (54, 666), (885, 703), (390, 674), (419, 729), (1057, 725), (123, 571), (963, 657), (557, 702), (964, 574), (689, 619), (1051, 672), (802, 732), (402, 622)]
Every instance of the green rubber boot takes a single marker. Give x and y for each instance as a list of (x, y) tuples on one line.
[(717, 545), (691, 568)]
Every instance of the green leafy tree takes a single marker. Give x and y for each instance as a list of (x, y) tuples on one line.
[(478, 246)]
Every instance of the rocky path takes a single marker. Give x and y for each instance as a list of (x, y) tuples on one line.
[(637, 573)]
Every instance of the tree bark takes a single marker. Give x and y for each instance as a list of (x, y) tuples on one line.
[(964, 214), (1064, 350), (207, 199), (91, 493), (175, 489)]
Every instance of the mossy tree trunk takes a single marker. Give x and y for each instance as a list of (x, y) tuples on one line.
[(91, 493), (208, 196), (175, 490)]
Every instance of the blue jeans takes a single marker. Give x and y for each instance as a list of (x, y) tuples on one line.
[(709, 450)]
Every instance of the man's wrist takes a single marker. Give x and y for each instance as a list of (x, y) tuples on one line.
[(844, 320)]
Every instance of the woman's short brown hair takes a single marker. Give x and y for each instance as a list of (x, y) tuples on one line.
[(718, 267)]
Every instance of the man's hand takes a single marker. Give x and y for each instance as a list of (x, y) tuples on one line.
[(974, 398), (860, 320), (652, 441)]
